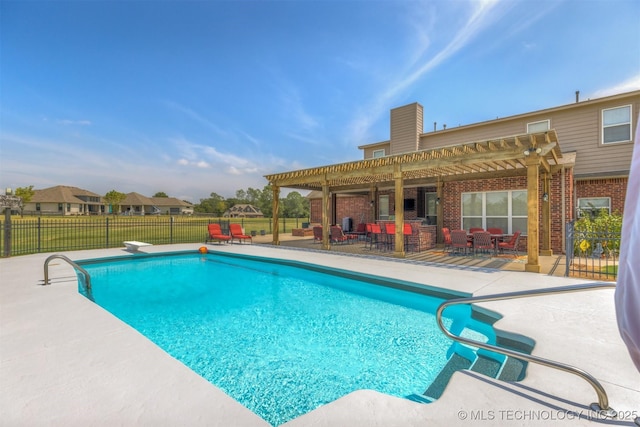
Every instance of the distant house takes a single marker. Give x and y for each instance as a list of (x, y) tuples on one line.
[(64, 200), (137, 204), (243, 211)]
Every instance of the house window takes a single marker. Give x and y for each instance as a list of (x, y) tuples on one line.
[(68, 207), (59, 207), (541, 126), (496, 209), (593, 205), (383, 207), (37, 206), (378, 153), (616, 124)]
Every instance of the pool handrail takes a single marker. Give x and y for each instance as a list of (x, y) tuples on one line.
[(602, 406), (73, 264)]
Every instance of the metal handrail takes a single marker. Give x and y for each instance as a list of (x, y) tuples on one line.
[(73, 264), (603, 402)]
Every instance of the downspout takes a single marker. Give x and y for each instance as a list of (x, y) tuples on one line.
[(564, 206)]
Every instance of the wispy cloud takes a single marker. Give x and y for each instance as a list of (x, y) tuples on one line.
[(631, 84), (483, 14), (68, 122)]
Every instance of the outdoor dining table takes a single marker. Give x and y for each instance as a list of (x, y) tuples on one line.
[(495, 238)]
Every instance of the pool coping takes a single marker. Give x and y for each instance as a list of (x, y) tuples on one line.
[(65, 361)]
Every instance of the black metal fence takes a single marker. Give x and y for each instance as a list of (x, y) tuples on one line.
[(592, 254), (27, 236)]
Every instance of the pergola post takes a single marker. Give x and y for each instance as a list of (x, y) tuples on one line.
[(399, 212), (326, 200), (546, 217), (439, 211), (533, 176), (275, 219)]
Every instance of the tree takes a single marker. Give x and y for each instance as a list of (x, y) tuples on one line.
[(295, 206), (215, 204), (114, 198), (160, 194), (25, 193)]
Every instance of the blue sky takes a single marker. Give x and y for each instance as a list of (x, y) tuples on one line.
[(194, 97)]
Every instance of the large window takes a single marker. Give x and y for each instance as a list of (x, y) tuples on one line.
[(496, 209), (616, 124), (383, 207), (593, 205)]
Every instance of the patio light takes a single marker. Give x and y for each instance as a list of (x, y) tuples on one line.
[(530, 150)]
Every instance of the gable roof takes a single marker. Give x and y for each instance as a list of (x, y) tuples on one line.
[(245, 208), (61, 194), (169, 201), (136, 199)]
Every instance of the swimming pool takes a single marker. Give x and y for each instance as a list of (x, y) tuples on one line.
[(283, 338)]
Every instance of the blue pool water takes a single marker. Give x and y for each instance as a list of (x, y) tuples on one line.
[(281, 339)]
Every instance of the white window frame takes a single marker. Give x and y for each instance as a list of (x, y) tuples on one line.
[(629, 123), (509, 215), (378, 153), (580, 209), (383, 207), (538, 123)]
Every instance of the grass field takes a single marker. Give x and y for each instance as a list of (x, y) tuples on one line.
[(48, 234)]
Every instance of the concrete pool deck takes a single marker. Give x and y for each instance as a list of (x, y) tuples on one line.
[(66, 361)]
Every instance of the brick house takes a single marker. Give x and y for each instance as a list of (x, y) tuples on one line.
[(531, 172)]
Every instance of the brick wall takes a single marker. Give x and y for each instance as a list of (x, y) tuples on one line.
[(616, 188)]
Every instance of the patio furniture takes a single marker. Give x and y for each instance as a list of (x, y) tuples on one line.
[(446, 233), (375, 235), (475, 229), (238, 234), (511, 245), (495, 230), (337, 236), (317, 234), (459, 241), (216, 234), (409, 232), (482, 242), (389, 236)]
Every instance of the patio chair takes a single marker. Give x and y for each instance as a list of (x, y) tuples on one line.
[(495, 231), (482, 242), (375, 235), (317, 234), (446, 233), (238, 234), (459, 241), (511, 245), (389, 236), (409, 232), (337, 236), (475, 229), (216, 235)]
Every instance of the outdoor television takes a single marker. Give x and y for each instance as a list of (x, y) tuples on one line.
[(409, 204)]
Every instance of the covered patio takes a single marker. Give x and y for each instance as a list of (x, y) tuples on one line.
[(537, 156)]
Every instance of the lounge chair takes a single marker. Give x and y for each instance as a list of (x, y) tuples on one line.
[(337, 236), (237, 233), (216, 235)]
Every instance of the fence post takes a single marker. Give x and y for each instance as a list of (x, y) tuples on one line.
[(107, 231), (7, 231), (568, 247), (39, 234), (171, 231)]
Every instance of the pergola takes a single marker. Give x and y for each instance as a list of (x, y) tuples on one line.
[(531, 154)]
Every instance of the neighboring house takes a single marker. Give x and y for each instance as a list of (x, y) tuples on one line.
[(64, 200), (556, 163), (172, 206), (243, 211)]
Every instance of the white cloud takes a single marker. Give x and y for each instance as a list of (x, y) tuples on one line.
[(629, 85), (68, 122)]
